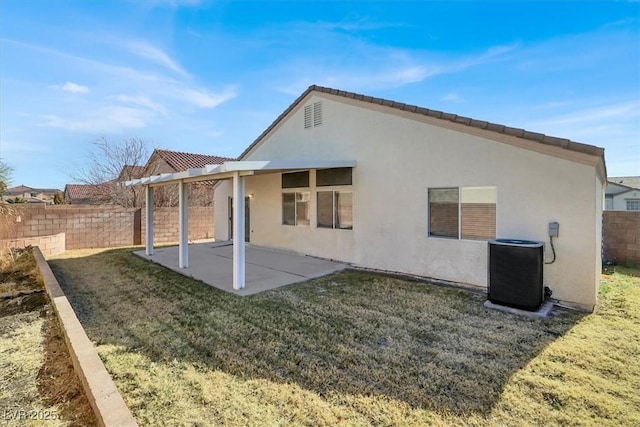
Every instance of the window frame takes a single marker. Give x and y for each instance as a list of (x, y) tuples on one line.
[(459, 213), (334, 190), (631, 202), (283, 174), (295, 193)]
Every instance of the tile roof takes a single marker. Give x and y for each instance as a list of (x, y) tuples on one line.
[(20, 189), (182, 161), (132, 172), (88, 191), (627, 181), (480, 124)]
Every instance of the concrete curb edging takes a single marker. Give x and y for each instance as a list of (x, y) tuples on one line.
[(106, 401)]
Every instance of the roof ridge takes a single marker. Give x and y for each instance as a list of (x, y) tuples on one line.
[(192, 154)]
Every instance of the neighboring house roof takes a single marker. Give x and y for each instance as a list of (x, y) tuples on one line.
[(131, 172), (87, 191), (181, 161), (632, 182), (21, 189), (467, 121)]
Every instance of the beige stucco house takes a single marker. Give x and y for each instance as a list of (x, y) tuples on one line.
[(395, 187), (405, 155)]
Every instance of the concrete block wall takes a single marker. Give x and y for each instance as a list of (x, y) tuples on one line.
[(102, 226), (85, 226), (49, 245), (621, 237), (165, 224)]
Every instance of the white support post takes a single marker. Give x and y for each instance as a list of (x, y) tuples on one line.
[(183, 223), (238, 231), (148, 241)]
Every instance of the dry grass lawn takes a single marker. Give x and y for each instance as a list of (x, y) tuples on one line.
[(351, 349)]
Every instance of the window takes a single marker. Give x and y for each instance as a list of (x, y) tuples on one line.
[(478, 213), (633, 204), (335, 209), (295, 204), (295, 179), (443, 212), (313, 115), (336, 176), (295, 208), (467, 212)]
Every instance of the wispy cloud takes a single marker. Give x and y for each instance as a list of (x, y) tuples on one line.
[(124, 97), (148, 51), (611, 125), (12, 146), (204, 98), (140, 100), (172, 3), (111, 119), (362, 23), (373, 68), (71, 87), (618, 111), (453, 97)]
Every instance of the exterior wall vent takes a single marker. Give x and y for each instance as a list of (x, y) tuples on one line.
[(313, 115), (317, 114), (307, 116)]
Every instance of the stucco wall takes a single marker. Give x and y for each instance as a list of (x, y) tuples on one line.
[(398, 159)]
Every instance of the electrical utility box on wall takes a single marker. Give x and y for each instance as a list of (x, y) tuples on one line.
[(554, 229), (515, 273)]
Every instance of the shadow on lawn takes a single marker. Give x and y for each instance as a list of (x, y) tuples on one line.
[(349, 333)]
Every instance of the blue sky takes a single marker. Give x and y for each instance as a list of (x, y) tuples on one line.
[(210, 76)]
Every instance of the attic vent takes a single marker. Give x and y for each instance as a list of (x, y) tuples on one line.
[(317, 114), (313, 115), (307, 116)]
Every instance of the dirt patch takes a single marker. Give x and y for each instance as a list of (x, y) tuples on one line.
[(18, 271), (57, 381), (37, 379)]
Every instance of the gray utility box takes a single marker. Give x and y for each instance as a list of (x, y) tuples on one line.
[(516, 273)]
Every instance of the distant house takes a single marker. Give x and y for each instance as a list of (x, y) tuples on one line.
[(30, 194), (131, 172), (167, 161), (623, 194), (160, 161), (88, 194)]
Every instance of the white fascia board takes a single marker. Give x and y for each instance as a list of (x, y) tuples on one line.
[(246, 167), (261, 165), (189, 173), (150, 179), (132, 182), (209, 169)]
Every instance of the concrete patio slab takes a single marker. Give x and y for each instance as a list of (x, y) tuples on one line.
[(266, 269)]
